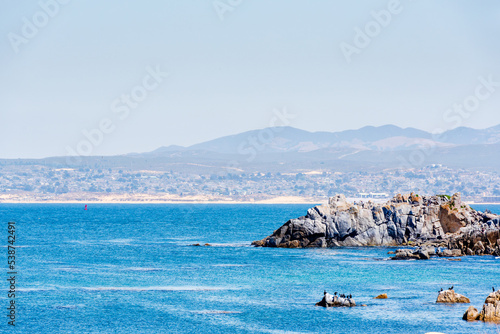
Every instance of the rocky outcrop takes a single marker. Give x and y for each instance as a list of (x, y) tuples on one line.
[(440, 223), (382, 296), (471, 314), (450, 296), (336, 301), (490, 311), (425, 253)]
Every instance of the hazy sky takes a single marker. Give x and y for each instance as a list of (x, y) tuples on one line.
[(77, 66)]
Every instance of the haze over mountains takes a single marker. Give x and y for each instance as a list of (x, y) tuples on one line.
[(383, 138), (287, 149)]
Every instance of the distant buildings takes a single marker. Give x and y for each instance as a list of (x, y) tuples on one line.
[(374, 195), (41, 181)]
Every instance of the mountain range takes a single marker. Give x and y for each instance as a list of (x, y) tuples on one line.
[(288, 149), (382, 138)]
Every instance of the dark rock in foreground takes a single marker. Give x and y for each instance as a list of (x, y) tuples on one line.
[(443, 225)]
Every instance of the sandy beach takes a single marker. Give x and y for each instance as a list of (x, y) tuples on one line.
[(152, 199), (89, 198)]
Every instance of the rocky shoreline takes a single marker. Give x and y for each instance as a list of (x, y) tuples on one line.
[(490, 311), (438, 225)]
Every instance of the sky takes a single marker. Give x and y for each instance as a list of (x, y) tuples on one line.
[(114, 77)]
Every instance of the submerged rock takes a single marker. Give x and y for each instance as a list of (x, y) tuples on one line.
[(442, 226), (450, 296)]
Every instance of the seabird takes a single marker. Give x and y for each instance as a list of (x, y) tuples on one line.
[(493, 289), (324, 292), (441, 289), (335, 293), (350, 296), (452, 287)]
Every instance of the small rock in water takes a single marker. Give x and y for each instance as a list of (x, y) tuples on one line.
[(450, 296), (382, 296), (336, 301)]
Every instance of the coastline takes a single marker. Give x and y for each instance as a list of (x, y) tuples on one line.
[(83, 198), (135, 199)]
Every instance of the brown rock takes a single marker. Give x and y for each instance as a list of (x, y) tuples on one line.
[(290, 244), (382, 296), (259, 243), (414, 198), (490, 312), (450, 296), (452, 219), (492, 297), (478, 247), (471, 314)]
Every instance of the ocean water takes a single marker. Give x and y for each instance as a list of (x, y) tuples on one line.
[(126, 268)]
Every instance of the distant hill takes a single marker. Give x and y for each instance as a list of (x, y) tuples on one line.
[(382, 138), (287, 149)]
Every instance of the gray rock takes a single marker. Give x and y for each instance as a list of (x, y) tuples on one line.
[(431, 222)]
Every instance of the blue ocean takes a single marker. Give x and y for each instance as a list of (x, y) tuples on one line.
[(131, 268)]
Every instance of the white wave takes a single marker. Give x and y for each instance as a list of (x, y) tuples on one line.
[(121, 241), (216, 312), (36, 289), (141, 269), (160, 288), (69, 269), (229, 265), (244, 244), (71, 307)]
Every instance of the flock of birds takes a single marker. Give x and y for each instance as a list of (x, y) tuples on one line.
[(341, 295)]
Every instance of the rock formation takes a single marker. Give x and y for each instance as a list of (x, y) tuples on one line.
[(471, 314), (450, 296), (425, 253), (490, 311), (336, 301), (445, 225)]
